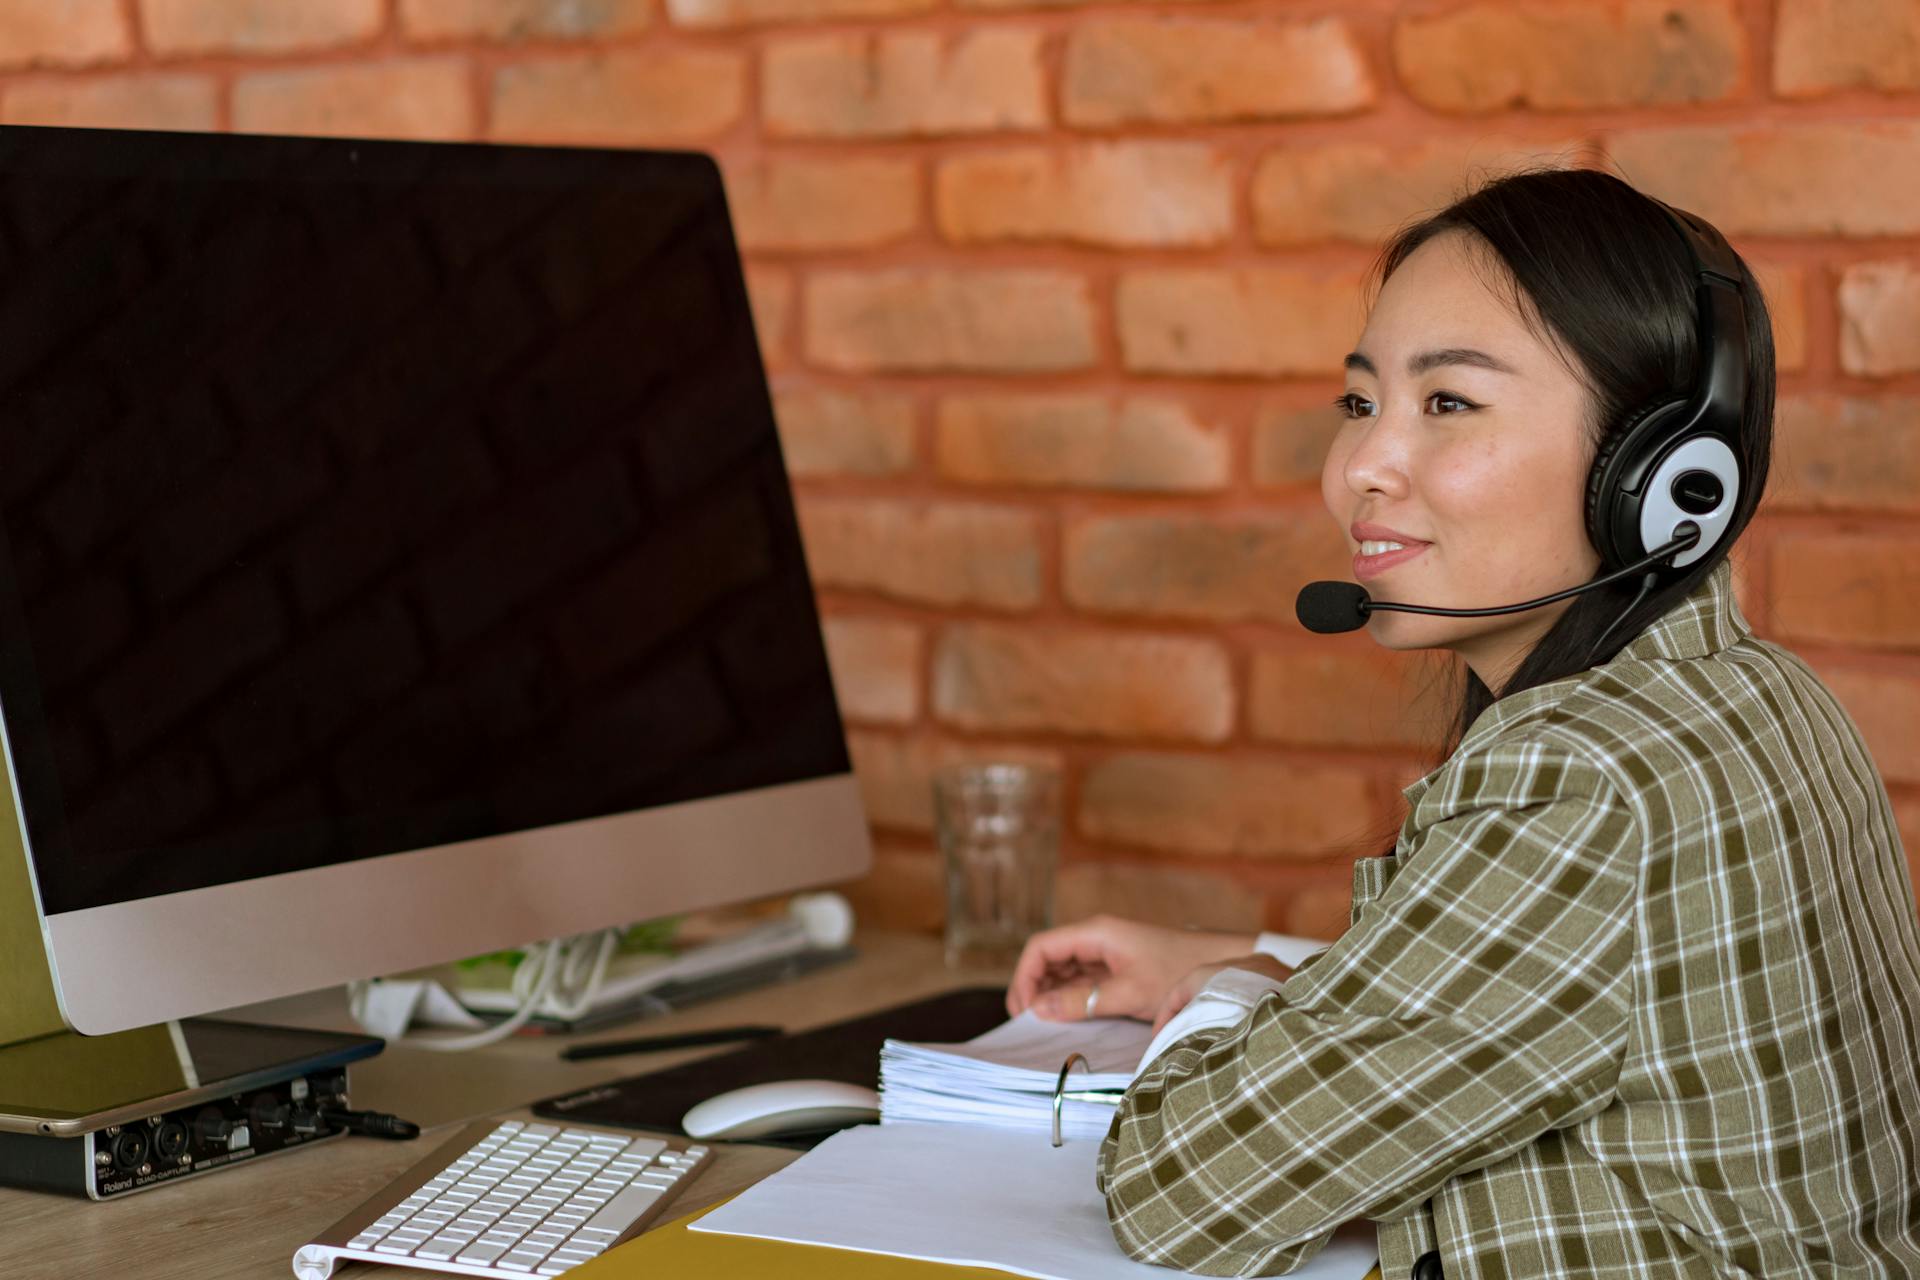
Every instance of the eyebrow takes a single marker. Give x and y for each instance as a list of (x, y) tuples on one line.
[(1426, 360)]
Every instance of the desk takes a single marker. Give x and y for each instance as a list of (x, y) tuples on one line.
[(247, 1222)]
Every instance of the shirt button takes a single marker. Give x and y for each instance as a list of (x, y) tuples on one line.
[(1427, 1266)]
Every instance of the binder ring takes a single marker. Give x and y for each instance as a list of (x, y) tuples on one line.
[(1060, 1089)]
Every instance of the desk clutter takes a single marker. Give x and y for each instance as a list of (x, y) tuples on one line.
[(960, 1173), (964, 1196)]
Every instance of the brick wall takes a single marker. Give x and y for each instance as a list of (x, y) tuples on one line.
[(1053, 294)]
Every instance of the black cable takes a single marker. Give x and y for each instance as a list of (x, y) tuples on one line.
[(374, 1124)]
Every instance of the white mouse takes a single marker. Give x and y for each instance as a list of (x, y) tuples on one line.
[(784, 1106)]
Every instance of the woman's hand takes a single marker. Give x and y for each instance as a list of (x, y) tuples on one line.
[(1136, 967), (1183, 991)]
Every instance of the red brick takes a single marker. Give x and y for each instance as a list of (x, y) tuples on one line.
[(1886, 707), (1131, 70), (1880, 318), (1824, 46), (426, 98), (1785, 289), (904, 84), (947, 554), (845, 433), (1847, 588), (905, 892), (1079, 440), (1359, 697), (1840, 453), (1176, 897), (1120, 194), (256, 26), (78, 33), (1360, 192), (876, 668), (1850, 178), (983, 321), (740, 13), (1290, 444), (1570, 57), (770, 294), (1254, 321), (1009, 678), (515, 20), (808, 203), (632, 97), (1220, 569), (896, 771), (144, 101), (1318, 912), (1054, 4), (1225, 806)]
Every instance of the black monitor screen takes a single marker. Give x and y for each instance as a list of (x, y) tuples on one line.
[(364, 497)]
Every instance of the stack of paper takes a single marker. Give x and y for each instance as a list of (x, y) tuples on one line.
[(1006, 1077)]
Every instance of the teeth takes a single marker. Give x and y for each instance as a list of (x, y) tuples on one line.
[(1379, 548)]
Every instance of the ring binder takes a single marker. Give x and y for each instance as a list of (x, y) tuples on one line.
[(1107, 1097)]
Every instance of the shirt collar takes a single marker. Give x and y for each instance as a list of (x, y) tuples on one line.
[(1707, 620)]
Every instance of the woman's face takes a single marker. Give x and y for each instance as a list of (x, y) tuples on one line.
[(1465, 444)]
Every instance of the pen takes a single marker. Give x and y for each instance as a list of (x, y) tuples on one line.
[(653, 1044)]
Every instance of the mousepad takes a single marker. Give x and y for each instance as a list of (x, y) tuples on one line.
[(848, 1051)]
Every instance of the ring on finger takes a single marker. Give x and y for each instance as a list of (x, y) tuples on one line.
[(1093, 998)]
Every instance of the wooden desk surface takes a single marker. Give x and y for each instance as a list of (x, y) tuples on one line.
[(247, 1222)]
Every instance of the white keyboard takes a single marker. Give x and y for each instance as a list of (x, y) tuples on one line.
[(512, 1200)]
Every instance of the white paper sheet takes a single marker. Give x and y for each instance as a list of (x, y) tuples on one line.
[(968, 1196)]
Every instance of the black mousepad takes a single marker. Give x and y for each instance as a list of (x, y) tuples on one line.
[(848, 1051)]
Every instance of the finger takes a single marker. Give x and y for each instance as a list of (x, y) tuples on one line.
[(1072, 944), (1120, 997), (1177, 999), (1065, 1003)]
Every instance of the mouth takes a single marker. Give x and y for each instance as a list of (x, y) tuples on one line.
[(1377, 555)]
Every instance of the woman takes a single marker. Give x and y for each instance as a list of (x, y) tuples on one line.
[(1637, 991)]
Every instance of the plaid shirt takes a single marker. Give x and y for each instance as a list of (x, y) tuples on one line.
[(1638, 993)]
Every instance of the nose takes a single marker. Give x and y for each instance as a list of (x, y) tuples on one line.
[(1378, 463)]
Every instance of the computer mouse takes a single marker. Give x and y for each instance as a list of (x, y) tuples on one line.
[(782, 1106)]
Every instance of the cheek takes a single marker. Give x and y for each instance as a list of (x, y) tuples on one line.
[(1524, 508)]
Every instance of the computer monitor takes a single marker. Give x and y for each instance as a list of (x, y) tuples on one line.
[(397, 563)]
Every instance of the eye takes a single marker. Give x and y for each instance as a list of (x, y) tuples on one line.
[(1346, 403), (1464, 404)]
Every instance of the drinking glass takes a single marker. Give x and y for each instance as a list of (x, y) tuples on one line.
[(999, 828)]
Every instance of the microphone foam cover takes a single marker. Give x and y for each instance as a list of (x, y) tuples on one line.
[(1331, 607)]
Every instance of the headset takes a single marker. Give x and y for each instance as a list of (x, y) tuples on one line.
[(1662, 489), (1676, 461)]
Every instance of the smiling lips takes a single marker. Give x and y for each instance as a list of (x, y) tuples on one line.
[(1381, 549)]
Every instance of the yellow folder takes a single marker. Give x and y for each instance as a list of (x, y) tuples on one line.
[(674, 1251)]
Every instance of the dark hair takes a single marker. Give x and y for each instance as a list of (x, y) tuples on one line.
[(1599, 271)]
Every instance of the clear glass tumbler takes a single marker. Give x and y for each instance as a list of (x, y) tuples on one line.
[(999, 829)]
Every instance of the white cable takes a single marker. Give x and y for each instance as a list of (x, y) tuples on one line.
[(569, 969)]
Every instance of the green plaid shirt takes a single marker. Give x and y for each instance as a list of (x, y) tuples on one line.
[(1637, 994)]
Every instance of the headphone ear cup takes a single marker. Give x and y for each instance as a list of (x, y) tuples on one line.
[(1617, 543)]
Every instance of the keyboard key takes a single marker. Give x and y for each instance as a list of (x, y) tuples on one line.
[(620, 1211), (439, 1249), (481, 1254)]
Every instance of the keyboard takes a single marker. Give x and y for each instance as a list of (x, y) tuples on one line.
[(512, 1200)]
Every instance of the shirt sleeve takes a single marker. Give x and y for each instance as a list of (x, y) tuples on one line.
[(1290, 950), (1481, 1001)]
